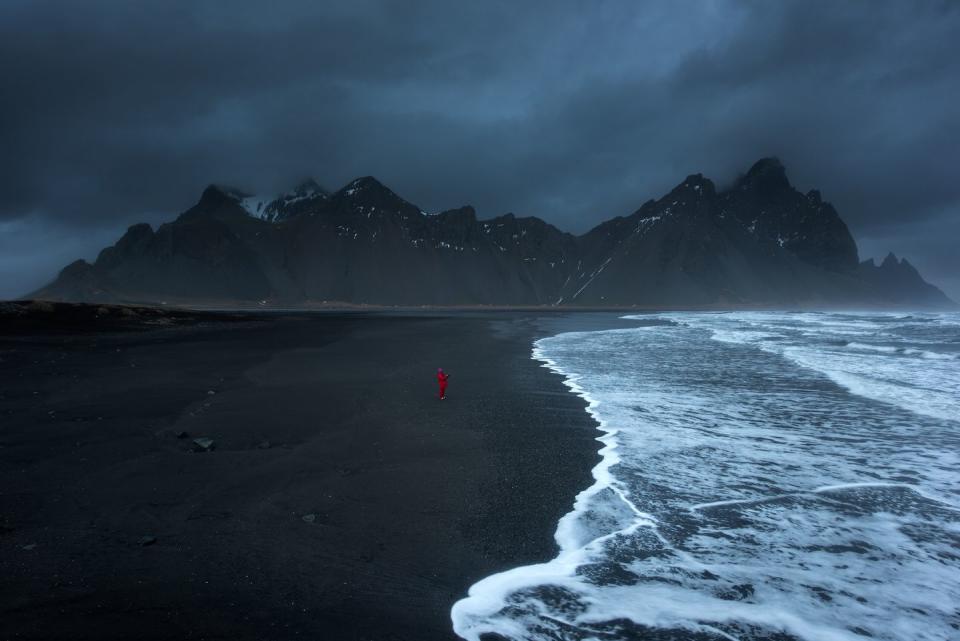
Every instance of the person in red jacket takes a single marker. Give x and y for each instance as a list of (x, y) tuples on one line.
[(442, 380)]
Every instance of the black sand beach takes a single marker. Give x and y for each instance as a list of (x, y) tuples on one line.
[(342, 500)]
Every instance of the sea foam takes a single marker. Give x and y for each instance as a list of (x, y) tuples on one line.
[(744, 492)]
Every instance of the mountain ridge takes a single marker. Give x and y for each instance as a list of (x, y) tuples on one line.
[(760, 241)]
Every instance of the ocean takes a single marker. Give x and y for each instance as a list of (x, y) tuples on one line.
[(777, 476)]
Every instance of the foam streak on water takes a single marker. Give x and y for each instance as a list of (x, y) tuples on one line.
[(764, 476)]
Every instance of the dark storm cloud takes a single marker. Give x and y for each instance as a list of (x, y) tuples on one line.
[(115, 112)]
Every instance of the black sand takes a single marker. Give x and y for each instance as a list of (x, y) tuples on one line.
[(325, 418)]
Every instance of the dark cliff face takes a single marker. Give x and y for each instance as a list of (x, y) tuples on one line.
[(765, 202), (759, 242), (899, 282)]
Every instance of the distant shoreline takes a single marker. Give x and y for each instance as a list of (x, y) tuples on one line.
[(184, 311)]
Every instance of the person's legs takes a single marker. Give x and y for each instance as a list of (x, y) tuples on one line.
[(443, 390)]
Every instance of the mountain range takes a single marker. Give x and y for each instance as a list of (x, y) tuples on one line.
[(758, 242)]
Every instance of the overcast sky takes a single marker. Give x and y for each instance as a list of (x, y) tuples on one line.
[(113, 113)]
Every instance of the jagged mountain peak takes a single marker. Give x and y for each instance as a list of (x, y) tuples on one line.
[(226, 190), (466, 213), (765, 202), (768, 167), (767, 176), (695, 185), (139, 230), (283, 206), (77, 266), (306, 189), (309, 186), (368, 195), (215, 195), (766, 243), (892, 263), (365, 186), (900, 282)]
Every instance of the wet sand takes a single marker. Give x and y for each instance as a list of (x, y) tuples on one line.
[(342, 500)]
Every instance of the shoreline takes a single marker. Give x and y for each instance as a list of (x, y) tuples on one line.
[(496, 586), (499, 585), (182, 310), (409, 507)]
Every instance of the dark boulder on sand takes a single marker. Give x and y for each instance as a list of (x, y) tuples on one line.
[(204, 444)]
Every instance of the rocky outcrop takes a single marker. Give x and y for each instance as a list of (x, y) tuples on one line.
[(759, 242), (898, 282)]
